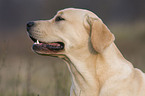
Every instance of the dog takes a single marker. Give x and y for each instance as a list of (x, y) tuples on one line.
[(84, 42)]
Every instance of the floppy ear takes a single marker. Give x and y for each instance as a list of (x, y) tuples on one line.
[(101, 37)]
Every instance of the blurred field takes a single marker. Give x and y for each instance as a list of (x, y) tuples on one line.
[(24, 73)]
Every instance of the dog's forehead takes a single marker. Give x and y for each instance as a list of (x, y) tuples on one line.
[(76, 13), (73, 12)]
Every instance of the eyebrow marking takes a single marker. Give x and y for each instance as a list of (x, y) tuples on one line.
[(61, 13)]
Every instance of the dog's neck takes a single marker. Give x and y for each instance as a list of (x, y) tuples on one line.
[(87, 69)]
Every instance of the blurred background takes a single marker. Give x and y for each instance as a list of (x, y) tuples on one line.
[(24, 73)]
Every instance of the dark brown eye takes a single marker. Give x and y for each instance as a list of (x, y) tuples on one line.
[(59, 18)]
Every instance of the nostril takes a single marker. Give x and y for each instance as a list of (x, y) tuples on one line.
[(30, 24)]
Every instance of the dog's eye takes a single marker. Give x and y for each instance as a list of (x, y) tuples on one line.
[(59, 18)]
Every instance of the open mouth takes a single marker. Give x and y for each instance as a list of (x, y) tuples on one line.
[(47, 48)]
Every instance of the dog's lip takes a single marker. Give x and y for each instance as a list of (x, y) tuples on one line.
[(53, 46), (49, 47)]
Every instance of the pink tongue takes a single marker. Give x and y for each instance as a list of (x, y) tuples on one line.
[(54, 44)]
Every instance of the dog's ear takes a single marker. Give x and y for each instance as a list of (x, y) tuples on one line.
[(101, 37)]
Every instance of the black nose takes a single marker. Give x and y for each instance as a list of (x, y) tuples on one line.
[(29, 25)]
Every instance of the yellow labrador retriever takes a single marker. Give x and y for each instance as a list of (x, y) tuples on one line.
[(86, 44)]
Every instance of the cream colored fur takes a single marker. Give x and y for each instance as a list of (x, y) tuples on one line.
[(96, 65)]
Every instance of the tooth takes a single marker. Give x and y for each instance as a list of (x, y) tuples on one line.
[(37, 42)]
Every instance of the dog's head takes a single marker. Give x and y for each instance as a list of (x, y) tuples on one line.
[(69, 30)]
